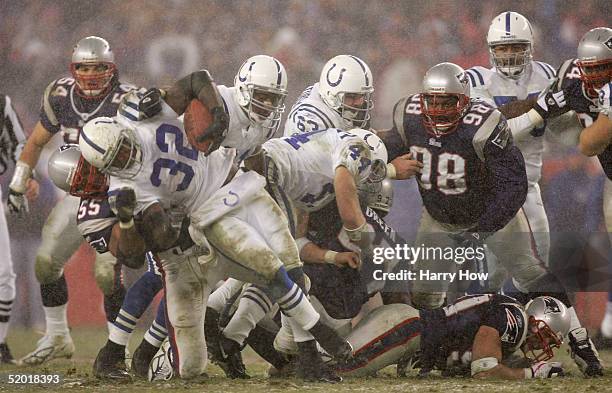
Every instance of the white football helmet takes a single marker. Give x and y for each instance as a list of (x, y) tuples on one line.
[(111, 147), (346, 86), (261, 84), (510, 28), (93, 51), (379, 156)]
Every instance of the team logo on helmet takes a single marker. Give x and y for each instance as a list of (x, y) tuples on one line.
[(462, 78), (550, 305), (244, 78), (609, 43), (336, 83)]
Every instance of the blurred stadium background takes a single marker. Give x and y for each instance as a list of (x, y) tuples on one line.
[(159, 40)]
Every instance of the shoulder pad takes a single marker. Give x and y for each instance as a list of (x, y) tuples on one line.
[(478, 76), (307, 117), (494, 121), (56, 90), (568, 72), (545, 70)]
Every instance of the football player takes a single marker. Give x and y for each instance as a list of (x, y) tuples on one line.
[(474, 192), (217, 207), (100, 227), (11, 140), (343, 98), (93, 90), (515, 76)]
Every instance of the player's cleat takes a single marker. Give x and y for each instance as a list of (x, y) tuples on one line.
[(331, 342), (584, 353), (110, 364), (5, 355), (310, 366), (231, 361), (160, 368), (142, 358), (48, 348)]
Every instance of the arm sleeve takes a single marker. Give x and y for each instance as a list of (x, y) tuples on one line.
[(354, 155), (48, 118), (506, 167)]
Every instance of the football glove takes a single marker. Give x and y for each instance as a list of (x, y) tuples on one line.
[(217, 129), (551, 104), (546, 370), (151, 102), (123, 203)]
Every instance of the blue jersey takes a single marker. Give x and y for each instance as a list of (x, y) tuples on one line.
[(343, 291), (454, 327), (586, 107), (473, 177), (64, 110)]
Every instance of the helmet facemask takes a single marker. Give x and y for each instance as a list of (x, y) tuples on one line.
[(594, 75), (540, 341), (355, 107), (442, 112), (88, 182), (511, 59), (265, 106), (125, 160), (93, 79)]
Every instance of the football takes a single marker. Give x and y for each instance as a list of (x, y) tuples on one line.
[(197, 119)]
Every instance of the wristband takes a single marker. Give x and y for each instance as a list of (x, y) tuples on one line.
[(23, 172), (126, 225), (528, 373), (301, 243), (330, 257), (391, 172)]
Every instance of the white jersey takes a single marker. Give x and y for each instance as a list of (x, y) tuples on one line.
[(241, 134), (306, 164), (173, 173), (311, 113), (497, 90)]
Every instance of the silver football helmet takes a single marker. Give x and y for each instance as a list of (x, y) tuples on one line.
[(510, 29), (261, 84), (595, 59), (346, 86), (93, 66), (445, 98), (549, 323), (71, 173), (111, 147)]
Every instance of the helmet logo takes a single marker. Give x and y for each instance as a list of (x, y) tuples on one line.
[(462, 79), (609, 43), (336, 83), (243, 79), (551, 305)]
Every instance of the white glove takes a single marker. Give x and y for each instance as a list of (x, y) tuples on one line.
[(17, 202), (545, 370)]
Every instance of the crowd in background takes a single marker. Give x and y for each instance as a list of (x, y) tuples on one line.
[(157, 41)]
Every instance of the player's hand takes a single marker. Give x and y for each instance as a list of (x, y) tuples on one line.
[(551, 104), (362, 237), (406, 167), (547, 370), (123, 203), (32, 190), (17, 203), (349, 258), (151, 102), (217, 129)]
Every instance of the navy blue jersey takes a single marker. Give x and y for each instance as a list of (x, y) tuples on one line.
[(343, 291), (95, 221), (474, 176), (585, 106), (64, 110), (454, 327)]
